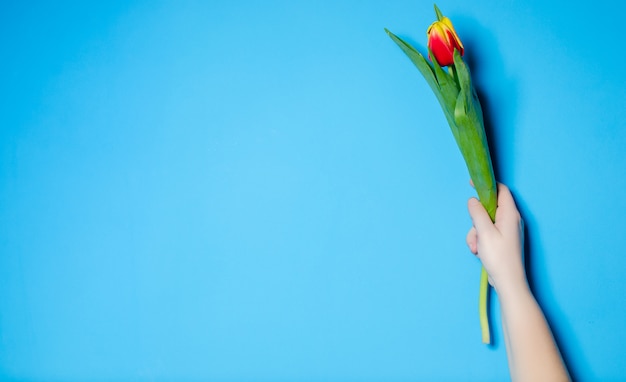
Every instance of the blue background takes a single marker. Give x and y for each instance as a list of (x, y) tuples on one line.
[(268, 191)]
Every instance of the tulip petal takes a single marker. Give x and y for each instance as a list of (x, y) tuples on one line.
[(440, 48)]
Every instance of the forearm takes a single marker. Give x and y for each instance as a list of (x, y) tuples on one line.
[(531, 350)]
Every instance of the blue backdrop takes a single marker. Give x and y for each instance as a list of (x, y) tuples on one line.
[(260, 191)]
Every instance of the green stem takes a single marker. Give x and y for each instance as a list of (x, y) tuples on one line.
[(482, 306)]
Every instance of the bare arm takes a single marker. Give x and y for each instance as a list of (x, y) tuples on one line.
[(531, 350)]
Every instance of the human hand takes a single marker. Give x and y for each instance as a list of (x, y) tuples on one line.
[(499, 246)]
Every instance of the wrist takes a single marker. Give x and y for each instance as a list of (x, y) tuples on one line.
[(512, 287)]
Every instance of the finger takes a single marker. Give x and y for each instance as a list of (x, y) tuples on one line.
[(506, 205), (472, 241), (480, 217)]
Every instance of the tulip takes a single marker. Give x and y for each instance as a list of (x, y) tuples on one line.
[(442, 41), (461, 107)]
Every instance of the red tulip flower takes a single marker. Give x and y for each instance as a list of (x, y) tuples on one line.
[(442, 41)]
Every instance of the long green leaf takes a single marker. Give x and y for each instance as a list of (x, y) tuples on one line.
[(473, 145), (417, 59), (449, 93), (465, 82), (444, 93), (447, 84), (462, 71)]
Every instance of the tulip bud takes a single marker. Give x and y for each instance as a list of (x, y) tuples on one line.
[(442, 40)]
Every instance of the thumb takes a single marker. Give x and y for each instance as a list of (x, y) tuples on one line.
[(480, 217)]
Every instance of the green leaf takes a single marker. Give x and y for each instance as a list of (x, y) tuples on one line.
[(462, 71), (473, 144), (447, 100), (417, 59), (465, 82), (447, 84), (449, 92)]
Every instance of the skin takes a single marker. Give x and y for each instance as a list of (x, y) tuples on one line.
[(531, 350)]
